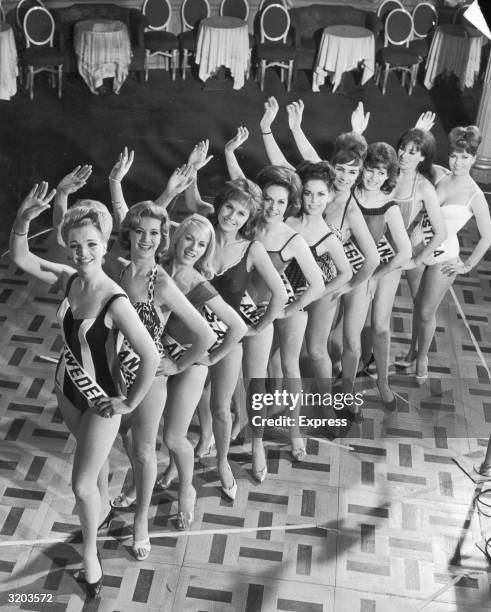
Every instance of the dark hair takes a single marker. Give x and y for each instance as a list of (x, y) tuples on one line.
[(133, 219), (465, 139), (425, 142), (248, 194), (382, 155), (282, 177), (319, 171), (349, 148), (87, 212)]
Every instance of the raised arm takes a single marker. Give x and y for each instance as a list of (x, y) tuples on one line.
[(198, 158), (295, 113), (234, 170), (203, 336), (426, 121), (261, 261), (483, 220), (36, 202), (236, 329), (273, 151), (69, 184), (178, 182), (118, 172)]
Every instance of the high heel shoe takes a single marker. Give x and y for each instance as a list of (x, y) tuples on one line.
[(299, 454), (141, 548), (206, 451), (260, 475), (94, 588), (123, 501), (184, 519), (421, 378), (163, 483), (232, 491), (107, 520), (404, 362)]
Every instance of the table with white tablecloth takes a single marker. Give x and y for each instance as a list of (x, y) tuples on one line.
[(8, 62), (103, 49), (453, 50), (223, 41), (344, 48)]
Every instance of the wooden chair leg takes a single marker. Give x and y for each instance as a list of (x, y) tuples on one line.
[(174, 62), (290, 75), (261, 74), (403, 77), (147, 57), (31, 82), (60, 79), (386, 76)]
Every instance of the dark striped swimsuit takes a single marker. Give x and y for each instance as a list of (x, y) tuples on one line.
[(94, 345)]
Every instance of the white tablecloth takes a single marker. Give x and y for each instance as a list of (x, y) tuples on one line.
[(454, 51), (223, 41), (103, 49), (8, 63), (344, 48)]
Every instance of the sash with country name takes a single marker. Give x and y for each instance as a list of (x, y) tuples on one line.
[(172, 347), (219, 328), (251, 313), (87, 386), (385, 250), (129, 362), (354, 255), (427, 232)]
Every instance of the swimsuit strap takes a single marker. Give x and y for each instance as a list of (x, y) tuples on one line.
[(284, 246), (352, 195), (106, 306), (70, 283), (151, 283), (321, 240)]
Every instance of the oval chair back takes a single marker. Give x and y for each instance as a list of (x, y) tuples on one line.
[(425, 19), (266, 3), (39, 27), (21, 10), (398, 28), (157, 14), (192, 12), (275, 23), (235, 8), (387, 6)]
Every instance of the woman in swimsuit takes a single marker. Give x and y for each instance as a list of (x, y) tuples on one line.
[(189, 262), (460, 200), (237, 257), (94, 316)]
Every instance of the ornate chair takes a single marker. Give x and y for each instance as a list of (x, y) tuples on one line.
[(235, 8), (158, 41), (40, 55), (425, 20), (273, 51), (192, 12)]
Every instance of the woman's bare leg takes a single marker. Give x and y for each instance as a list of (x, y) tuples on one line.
[(320, 319), (414, 277)]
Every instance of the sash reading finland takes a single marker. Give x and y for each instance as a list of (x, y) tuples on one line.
[(83, 381)]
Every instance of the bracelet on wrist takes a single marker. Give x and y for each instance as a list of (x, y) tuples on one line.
[(12, 231), (266, 133), (114, 180)]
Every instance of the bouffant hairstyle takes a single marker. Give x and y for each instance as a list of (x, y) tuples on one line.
[(134, 218), (87, 212), (349, 148), (319, 171), (382, 155), (282, 177), (204, 265), (246, 193), (465, 139), (425, 143)]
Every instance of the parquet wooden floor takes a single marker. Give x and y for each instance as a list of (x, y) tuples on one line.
[(388, 525)]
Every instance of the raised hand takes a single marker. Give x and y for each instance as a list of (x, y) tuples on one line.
[(426, 121), (121, 167), (239, 139), (270, 111), (75, 180), (295, 113), (181, 179), (199, 155), (36, 202), (359, 120)]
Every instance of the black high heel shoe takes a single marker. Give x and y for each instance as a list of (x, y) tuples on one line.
[(94, 588), (109, 517)]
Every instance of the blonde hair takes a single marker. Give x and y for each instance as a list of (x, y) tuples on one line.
[(204, 264), (87, 212), (134, 217)]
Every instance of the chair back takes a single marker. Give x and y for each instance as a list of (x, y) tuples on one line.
[(425, 19), (2, 14), (235, 8), (275, 23), (265, 3), (157, 14), (21, 9), (387, 6), (39, 27), (192, 12), (398, 28)]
